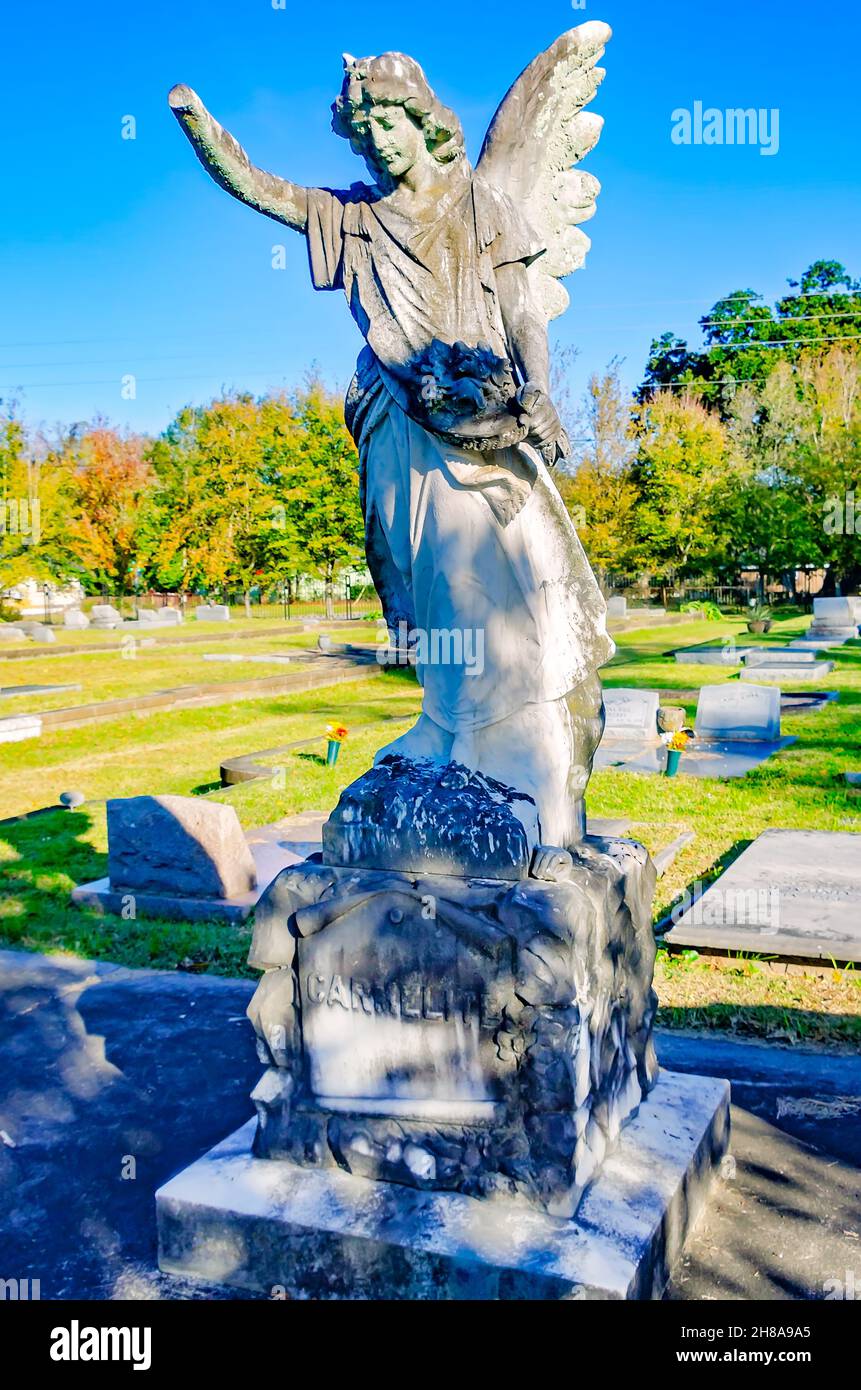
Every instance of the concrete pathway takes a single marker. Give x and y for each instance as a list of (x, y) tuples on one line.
[(106, 1071)]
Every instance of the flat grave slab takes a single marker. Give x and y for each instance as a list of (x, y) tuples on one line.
[(252, 1223), (778, 656), (812, 671), (9, 690), (702, 758), (712, 656), (815, 644), (20, 726), (791, 893), (806, 701)]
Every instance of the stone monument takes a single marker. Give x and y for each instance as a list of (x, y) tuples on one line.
[(456, 1007)]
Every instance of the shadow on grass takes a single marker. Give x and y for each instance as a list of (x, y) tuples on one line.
[(316, 758), (44, 857), (770, 1022)]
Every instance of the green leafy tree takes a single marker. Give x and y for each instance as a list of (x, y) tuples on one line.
[(744, 339), (680, 468)]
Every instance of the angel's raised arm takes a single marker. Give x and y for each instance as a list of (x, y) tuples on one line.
[(225, 159)]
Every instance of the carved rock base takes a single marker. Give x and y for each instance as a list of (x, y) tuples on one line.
[(282, 1229), (471, 1035)]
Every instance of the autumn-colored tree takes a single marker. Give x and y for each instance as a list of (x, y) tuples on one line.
[(109, 480), (252, 491), (598, 489)]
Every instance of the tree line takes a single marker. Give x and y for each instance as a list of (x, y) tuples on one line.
[(239, 494), (743, 456)]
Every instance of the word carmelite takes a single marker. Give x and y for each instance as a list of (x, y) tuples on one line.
[(408, 998), (76, 1343)]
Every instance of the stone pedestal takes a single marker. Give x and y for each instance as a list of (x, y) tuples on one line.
[(473, 1035), (456, 1056), (275, 1227)]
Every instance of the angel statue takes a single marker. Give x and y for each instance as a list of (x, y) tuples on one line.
[(452, 274)]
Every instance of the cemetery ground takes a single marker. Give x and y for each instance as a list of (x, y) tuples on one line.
[(104, 1061), (179, 751)]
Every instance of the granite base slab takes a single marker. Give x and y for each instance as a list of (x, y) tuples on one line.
[(813, 644), (703, 757), (813, 671), (266, 1224)]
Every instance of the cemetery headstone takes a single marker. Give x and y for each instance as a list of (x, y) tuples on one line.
[(212, 613), (631, 713), (617, 606), (105, 616), (178, 845), (75, 620), (734, 712)]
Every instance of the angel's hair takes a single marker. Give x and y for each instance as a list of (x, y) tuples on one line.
[(393, 79)]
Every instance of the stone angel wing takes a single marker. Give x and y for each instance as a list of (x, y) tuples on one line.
[(539, 132)]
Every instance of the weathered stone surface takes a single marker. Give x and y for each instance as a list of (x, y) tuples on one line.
[(168, 617), (147, 617), (470, 1035), (671, 718), (431, 818), (735, 713), (178, 845), (617, 606), (487, 574), (793, 892), (324, 1233), (212, 613), (631, 713), (104, 615), (74, 619)]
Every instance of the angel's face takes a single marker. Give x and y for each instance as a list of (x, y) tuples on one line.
[(392, 141)]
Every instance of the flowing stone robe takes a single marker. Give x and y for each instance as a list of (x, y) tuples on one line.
[(457, 539)]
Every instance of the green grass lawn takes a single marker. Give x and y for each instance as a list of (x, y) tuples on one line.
[(135, 669), (180, 751)]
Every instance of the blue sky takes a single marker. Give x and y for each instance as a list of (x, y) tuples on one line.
[(120, 256)]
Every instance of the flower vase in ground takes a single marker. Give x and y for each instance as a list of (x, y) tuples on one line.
[(676, 746), (335, 733)]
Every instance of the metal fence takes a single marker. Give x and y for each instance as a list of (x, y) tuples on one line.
[(345, 601)]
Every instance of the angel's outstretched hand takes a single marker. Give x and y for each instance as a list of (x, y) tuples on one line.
[(181, 98)]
